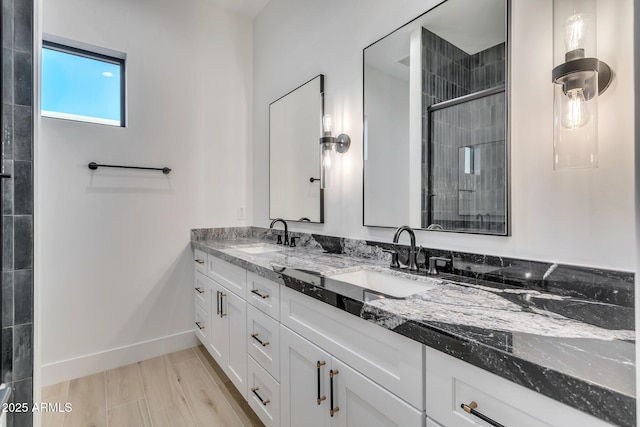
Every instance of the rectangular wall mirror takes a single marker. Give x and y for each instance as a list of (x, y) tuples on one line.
[(435, 121), (295, 127)]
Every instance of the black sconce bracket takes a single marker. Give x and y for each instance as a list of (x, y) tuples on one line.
[(566, 73)]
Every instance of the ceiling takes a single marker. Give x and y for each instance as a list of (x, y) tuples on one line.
[(248, 8)]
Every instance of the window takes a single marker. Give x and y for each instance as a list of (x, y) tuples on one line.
[(82, 85)]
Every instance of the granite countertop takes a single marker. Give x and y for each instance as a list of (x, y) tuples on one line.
[(577, 351)]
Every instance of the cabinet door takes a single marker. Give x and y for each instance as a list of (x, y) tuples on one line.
[(218, 328), (234, 313), (304, 394), (363, 403)]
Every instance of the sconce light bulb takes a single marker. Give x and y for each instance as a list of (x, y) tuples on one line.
[(575, 31), (327, 124), (326, 160), (576, 113)]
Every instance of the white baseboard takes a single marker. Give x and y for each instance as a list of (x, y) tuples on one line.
[(77, 367)]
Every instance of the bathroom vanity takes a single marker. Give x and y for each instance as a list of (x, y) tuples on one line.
[(306, 342)]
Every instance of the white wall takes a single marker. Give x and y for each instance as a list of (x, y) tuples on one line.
[(579, 217), (115, 263)]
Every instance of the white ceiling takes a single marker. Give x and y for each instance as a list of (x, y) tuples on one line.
[(248, 8)]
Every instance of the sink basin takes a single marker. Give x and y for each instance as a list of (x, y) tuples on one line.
[(259, 249), (395, 286)]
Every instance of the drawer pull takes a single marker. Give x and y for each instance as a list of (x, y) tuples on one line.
[(218, 302), (471, 409), (199, 326), (264, 402), (255, 291), (200, 291), (222, 313), (255, 337), (199, 261), (332, 374), (319, 400)]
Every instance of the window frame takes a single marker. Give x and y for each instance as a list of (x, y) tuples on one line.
[(91, 54)]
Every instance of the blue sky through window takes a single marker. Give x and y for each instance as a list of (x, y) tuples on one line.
[(80, 88)]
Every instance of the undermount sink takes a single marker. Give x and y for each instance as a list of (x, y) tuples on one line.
[(395, 286), (262, 248)]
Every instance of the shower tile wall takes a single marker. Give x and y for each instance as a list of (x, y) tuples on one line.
[(448, 73), (17, 210)]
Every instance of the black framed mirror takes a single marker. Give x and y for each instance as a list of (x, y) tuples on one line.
[(435, 121), (295, 127)]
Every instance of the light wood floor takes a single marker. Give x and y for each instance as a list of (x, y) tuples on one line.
[(186, 388)]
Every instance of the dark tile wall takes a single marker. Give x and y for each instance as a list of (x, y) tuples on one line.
[(477, 202), (17, 200)]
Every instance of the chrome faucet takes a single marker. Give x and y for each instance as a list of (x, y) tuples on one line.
[(413, 254), (286, 230)]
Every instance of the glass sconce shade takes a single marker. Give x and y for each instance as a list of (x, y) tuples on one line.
[(578, 80), (327, 157), (575, 140), (329, 146)]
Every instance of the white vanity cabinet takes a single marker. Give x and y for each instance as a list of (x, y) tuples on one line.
[(201, 297), (451, 382), (263, 346), (221, 315), (319, 390), (387, 358), (228, 344)]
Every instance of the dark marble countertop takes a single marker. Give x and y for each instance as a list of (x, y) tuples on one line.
[(577, 351)]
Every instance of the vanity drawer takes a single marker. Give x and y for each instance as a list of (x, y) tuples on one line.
[(200, 261), (263, 294), (264, 394), (201, 291), (263, 334), (202, 325), (451, 382), (228, 275), (387, 358)]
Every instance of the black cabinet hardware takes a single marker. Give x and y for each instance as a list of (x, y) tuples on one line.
[(200, 291), (262, 343), (254, 391), (222, 313), (256, 292), (471, 409), (332, 373), (319, 400), (199, 326), (199, 261)]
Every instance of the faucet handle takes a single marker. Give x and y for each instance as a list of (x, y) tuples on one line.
[(394, 258), (433, 260), (293, 242), (279, 241)]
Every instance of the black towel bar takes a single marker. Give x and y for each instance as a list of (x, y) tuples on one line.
[(93, 166)]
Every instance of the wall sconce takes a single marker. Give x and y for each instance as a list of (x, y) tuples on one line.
[(329, 145), (578, 82)]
